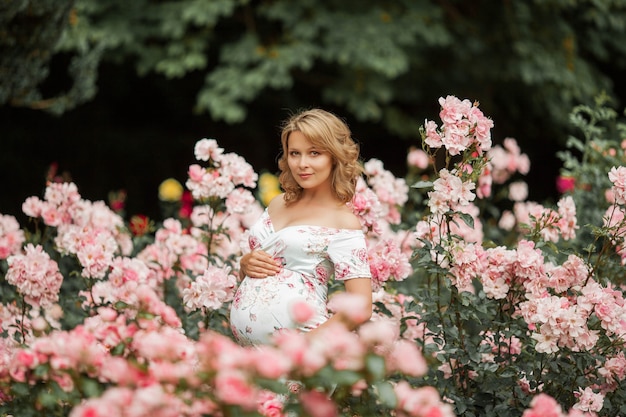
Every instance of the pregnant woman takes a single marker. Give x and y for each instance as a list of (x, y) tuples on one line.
[(306, 236)]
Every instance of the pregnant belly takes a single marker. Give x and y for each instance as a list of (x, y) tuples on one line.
[(263, 306)]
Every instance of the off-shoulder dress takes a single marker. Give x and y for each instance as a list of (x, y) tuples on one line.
[(311, 256)]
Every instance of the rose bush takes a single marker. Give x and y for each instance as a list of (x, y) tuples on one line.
[(534, 305), (485, 303)]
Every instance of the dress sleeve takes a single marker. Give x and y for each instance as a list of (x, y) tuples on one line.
[(259, 231), (348, 253)]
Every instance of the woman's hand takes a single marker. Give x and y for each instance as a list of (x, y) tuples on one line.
[(258, 264)]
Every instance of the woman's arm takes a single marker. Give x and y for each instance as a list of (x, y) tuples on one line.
[(361, 287), (360, 312)]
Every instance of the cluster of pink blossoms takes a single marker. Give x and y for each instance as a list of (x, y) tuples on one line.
[(36, 276), (392, 192), (210, 290), (368, 208), (506, 160), (464, 265), (450, 193), (233, 228), (418, 158), (543, 405), (91, 231), (225, 173), (613, 370), (174, 252), (420, 402), (438, 228), (130, 281), (153, 355), (64, 352), (614, 219), (152, 400), (396, 311), (502, 163), (563, 303), (464, 127), (551, 224), (376, 203), (240, 201), (57, 206), (387, 261), (11, 236), (557, 319), (617, 175), (219, 373), (615, 215)]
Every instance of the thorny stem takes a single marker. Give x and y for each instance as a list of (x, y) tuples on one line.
[(22, 329), (538, 374), (603, 250), (210, 233), (441, 317), (459, 326)]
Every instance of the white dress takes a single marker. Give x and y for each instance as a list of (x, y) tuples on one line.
[(311, 255)]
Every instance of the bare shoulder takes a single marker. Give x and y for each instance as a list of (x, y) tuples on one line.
[(277, 203), (347, 219)]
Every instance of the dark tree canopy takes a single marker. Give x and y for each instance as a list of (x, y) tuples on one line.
[(378, 59)]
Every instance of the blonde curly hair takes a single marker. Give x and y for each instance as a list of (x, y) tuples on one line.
[(331, 134)]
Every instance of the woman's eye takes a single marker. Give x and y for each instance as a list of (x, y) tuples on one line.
[(315, 153)]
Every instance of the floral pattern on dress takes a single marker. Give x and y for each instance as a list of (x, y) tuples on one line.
[(311, 256)]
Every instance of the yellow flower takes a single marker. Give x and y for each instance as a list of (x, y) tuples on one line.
[(170, 190), (269, 187)]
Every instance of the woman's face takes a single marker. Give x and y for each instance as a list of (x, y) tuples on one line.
[(310, 166)]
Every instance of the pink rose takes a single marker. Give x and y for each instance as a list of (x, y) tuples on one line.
[(270, 363), (233, 387), (317, 404), (196, 172), (26, 358), (565, 184), (418, 158), (406, 358), (352, 306), (543, 406), (270, 405), (301, 311), (206, 149)]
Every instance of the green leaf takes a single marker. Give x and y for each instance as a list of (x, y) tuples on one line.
[(375, 365), (346, 377), (118, 349), (47, 400), (467, 218), (273, 385), (386, 394), (422, 184), (20, 389), (90, 387)]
